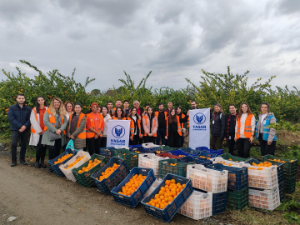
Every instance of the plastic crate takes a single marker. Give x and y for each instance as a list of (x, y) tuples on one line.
[(228, 156), (218, 152), (108, 152), (237, 177), (207, 179), (262, 179), (152, 188), (170, 210), (150, 160), (84, 178), (165, 168), (168, 155), (190, 151), (131, 158), (136, 196), (289, 167), (194, 160), (137, 149), (198, 206), (68, 172), (106, 185), (290, 185), (266, 199), (277, 164), (179, 152), (281, 191), (55, 167), (219, 203), (206, 155), (237, 200)]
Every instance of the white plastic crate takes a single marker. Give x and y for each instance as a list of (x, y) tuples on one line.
[(198, 206), (150, 160), (227, 162), (68, 172), (266, 178), (207, 179), (153, 186), (266, 199)]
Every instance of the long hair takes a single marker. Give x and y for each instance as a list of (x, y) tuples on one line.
[(62, 109), (37, 105), (241, 111), (116, 114), (172, 119)]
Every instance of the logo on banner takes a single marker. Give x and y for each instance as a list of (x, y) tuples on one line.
[(118, 131), (199, 118)]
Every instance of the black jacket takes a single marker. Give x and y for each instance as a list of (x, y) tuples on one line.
[(217, 128), (18, 117)]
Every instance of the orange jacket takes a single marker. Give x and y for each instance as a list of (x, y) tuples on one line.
[(178, 126), (53, 121), (81, 135), (89, 119), (146, 125), (247, 129)]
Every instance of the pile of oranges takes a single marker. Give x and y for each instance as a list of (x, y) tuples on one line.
[(62, 159), (173, 164), (74, 163), (108, 172), (91, 165), (166, 194), (132, 185)]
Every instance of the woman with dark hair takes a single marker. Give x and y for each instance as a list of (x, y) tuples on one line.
[(266, 135), (119, 114), (183, 119), (77, 127), (106, 118), (173, 129), (37, 128), (217, 127), (69, 108), (150, 125), (135, 127), (244, 130)]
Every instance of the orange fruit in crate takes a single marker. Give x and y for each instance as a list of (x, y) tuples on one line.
[(108, 172)]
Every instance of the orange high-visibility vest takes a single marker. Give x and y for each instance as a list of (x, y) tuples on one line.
[(248, 127), (157, 113), (82, 135), (154, 123), (89, 133), (36, 117), (132, 127), (53, 121), (178, 126)]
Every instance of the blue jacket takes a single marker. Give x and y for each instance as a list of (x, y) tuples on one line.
[(18, 117)]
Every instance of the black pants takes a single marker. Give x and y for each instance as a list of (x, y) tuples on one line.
[(54, 151), (266, 149), (216, 142), (173, 139), (103, 142), (135, 140), (40, 151), (231, 144), (243, 145), (149, 139), (15, 136), (93, 145), (161, 134)]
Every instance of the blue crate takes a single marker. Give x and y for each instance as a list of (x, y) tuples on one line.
[(136, 196), (207, 154), (219, 203), (106, 185), (194, 160), (237, 177), (281, 190), (107, 152), (55, 168), (218, 152), (170, 210)]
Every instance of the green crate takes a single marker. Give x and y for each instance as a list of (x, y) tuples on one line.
[(84, 178), (289, 167), (237, 200), (228, 156), (289, 185), (131, 158), (165, 168)]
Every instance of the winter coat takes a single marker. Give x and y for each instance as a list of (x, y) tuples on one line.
[(18, 117)]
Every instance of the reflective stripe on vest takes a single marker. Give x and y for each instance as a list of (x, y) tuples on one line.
[(81, 135), (247, 129)]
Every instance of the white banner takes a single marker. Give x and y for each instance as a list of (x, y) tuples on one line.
[(199, 129), (118, 132)]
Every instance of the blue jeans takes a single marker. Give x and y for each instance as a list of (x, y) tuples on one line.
[(15, 136), (161, 133)]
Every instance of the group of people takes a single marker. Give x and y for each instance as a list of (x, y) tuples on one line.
[(54, 125)]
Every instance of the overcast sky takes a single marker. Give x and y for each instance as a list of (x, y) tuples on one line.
[(174, 39)]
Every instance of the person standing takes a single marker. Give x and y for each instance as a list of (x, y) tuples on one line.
[(135, 127), (106, 118), (126, 107), (217, 127), (19, 118), (162, 118), (150, 125), (56, 122), (230, 121), (136, 104), (69, 108), (77, 127), (37, 127), (266, 135), (173, 128), (244, 130), (94, 126)]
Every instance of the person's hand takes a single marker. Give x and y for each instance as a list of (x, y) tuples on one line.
[(71, 136), (58, 131), (166, 137), (131, 138), (251, 139), (269, 142)]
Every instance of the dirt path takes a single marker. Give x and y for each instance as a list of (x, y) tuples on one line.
[(36, 196)]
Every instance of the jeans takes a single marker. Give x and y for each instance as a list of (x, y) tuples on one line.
[(15, 136), (244, 145), (54, 150), (161, 133), (40, 151)]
